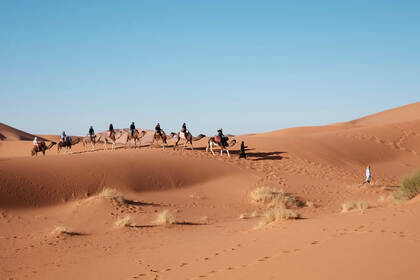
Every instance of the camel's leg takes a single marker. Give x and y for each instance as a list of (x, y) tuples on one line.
[(176, 143), (221, 152), (105, 147), (211, 148), (227, 151)]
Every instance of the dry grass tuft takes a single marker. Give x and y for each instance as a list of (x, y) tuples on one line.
[(59, 230), (350, 206), (409, 188), (273, 197), (205, 220), (277, 214), (196, 196), (112, 194), (127, 221), (310, 204), (278, 204), (165, 218)]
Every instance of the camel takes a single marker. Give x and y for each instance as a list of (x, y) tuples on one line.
[(41, 147), (108, 138), (136, 137), (162, 137), (212, 142), (87, 139), (187, 136), (67, 144)]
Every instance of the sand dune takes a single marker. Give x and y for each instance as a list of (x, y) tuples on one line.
[(9, 133), (55, 225)]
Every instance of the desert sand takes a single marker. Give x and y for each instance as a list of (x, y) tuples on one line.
[(56, 222)]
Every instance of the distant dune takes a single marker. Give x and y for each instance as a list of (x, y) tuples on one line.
[(53, 210), (11, 134)]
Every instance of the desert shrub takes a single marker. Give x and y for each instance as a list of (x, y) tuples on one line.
[(59, 230), (359, 205), (409, 187), (278, 204), (112, 194), (127, 221), (273, 197), (165, 218), (277, 214)]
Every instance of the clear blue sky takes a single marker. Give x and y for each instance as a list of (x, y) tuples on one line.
[(246, 66)]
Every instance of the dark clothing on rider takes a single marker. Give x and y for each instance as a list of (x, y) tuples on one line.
[(63, 136), (91, 131), (221, 137), (158, 130), (242, 153), (184, 128), (132, 128), (111, 129)]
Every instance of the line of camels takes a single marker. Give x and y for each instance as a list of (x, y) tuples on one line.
[(129, 139)]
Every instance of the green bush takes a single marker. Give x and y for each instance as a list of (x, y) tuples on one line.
[(409, 188)]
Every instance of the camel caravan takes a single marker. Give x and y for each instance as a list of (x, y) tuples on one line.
[(132, 138)]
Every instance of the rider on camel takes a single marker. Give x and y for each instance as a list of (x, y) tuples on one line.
[(132, 129), (35, 142), (111, 130), (63, 136), (184, 129), (92, 133), (158, 130), (221, 137)]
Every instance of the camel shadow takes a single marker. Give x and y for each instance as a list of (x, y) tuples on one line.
[(266, 156)]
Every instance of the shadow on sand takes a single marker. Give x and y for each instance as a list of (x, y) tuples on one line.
[(140, 203)]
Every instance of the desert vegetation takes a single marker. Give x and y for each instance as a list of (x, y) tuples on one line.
[(409, 187), (351, 206), (278, 205), (165, 218)]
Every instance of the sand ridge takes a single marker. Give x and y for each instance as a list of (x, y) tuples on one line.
[(54, 224)]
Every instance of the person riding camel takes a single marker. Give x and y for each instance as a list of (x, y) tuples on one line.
[(35, 142), (184, 129), (221, 137), (63, 137), (111, 130), (158, 129), (92, 133), (132, 129)]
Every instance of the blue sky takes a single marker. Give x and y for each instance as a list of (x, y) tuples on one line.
[(245, 66)]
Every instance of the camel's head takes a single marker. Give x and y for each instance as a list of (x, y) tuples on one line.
[(173, 134), (233, 143)]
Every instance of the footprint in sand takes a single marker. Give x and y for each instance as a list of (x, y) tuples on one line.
[(264, 259)]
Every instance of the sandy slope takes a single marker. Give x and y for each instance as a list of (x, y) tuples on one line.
[(323, 165)]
